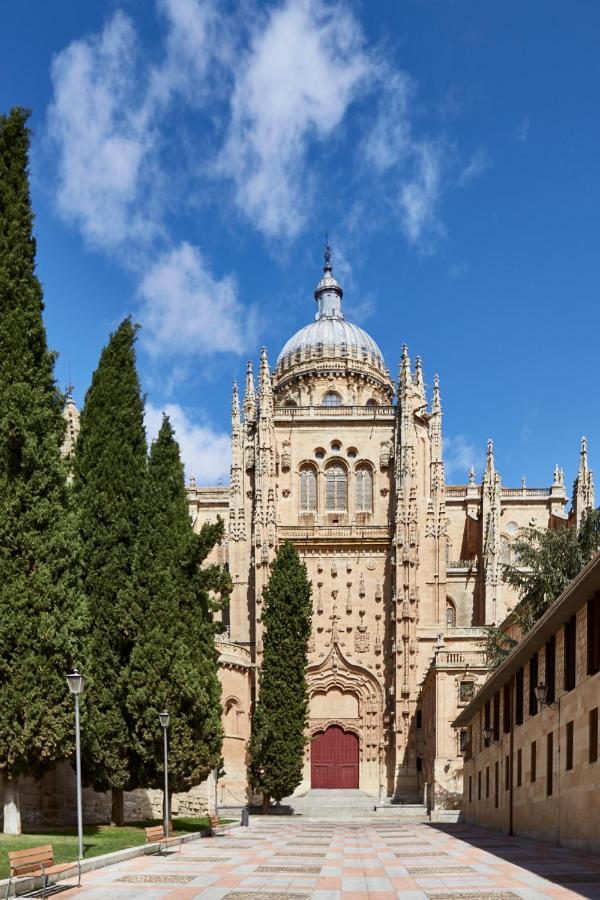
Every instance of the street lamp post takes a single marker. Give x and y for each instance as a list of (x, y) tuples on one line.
[(76, 683), (164, 721)]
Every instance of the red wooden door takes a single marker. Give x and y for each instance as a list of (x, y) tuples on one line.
[(334, 759)]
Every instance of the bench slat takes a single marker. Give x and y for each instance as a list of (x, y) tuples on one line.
[(34, 853)]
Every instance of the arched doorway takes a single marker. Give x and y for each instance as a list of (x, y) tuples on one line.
[(334, 759)]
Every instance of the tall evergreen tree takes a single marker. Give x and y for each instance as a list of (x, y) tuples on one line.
[(548, 560), (276, 748), (41, 609), (109, 472), (174, 664)]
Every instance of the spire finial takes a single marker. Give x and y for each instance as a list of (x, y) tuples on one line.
[(235, 405), (327, 255), (490, 455), (472, 475)]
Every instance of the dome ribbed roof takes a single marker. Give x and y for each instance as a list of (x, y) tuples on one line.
[(330, 335)]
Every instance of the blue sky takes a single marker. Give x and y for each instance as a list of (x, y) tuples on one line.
[(188, 156)]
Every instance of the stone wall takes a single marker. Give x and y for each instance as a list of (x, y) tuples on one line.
[(52, 801)]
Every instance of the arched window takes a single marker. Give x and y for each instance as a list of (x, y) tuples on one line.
[(289, 402), (371, 402), (450, 613), (308, 489), (336, 488), (331, 398), (364, 490), (448, 551)]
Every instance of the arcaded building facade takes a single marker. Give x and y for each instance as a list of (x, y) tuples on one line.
[(329, 452)]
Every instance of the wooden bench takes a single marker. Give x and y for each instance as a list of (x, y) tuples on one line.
[(216, 826), (156, 835), (37, 861)]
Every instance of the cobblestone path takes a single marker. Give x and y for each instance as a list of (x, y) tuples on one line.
[(284, 858)]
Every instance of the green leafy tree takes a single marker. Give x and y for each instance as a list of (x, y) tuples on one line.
[(174, 664), (276, 748), (109, 471), (41, 606), (548, 560)]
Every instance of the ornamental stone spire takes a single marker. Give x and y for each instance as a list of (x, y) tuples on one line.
[(249, 395), (583, 486)]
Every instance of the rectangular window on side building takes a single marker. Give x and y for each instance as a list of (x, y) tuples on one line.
[(519, 697), (470, 788), (506, 708), (569, 747), (519, 767), (533, 761), (593, 634), (487, 781), (496, 784), (593, 735), (570, 652), (533, 682), (549, 763), (496, 731), (479, 785), (507, 773)]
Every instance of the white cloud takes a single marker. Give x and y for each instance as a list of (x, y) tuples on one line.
[(389, 140), (186, 311), (477, 165), (419, 195), (204, 451), (409, 168), (303, 70), (100, 135), (459, 455)]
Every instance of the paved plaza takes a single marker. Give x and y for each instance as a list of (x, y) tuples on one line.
[(281, 857)]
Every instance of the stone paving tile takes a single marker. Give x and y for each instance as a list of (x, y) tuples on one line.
[(282, 858)]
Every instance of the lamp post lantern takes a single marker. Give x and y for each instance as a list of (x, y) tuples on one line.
[(164, 718), (76, 683)]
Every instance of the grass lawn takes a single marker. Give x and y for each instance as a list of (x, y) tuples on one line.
[(97, 839)]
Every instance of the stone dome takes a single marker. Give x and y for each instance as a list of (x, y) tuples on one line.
[(330, 336)]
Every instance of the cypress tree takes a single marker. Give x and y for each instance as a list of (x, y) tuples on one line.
[(109, 471), (174, 663), (41, 608), (276, 748)]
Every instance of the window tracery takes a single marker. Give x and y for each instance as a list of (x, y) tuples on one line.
[(364, 490), (308, 489), (336, 488)]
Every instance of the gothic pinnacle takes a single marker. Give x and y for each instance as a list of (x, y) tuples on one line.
[(249, 395), (419, 381), (404, 377), (235, 405), (436, 405), (490, 455)]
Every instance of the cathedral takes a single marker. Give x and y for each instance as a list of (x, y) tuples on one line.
[(406, 570), (328, 452)]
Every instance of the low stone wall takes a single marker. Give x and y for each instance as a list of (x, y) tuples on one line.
[(52, 801)]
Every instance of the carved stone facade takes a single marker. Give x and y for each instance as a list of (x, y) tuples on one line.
[(332, 455)]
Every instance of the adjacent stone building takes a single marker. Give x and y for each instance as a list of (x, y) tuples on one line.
[(531, 735), (332, 454)]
